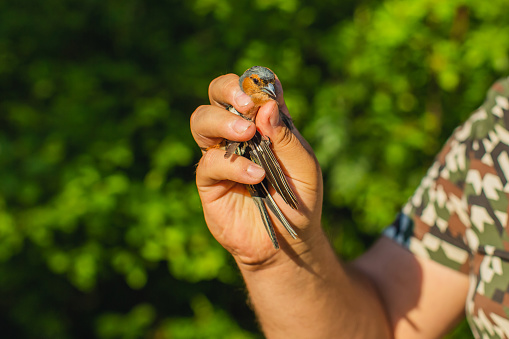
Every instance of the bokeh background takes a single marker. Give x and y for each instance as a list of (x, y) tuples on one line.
[(101, 229)]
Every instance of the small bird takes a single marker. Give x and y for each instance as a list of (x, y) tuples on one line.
[(259, 83)]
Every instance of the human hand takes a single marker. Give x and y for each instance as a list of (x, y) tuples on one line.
[(231, 216)]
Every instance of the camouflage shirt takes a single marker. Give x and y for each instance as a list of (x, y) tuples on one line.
[(458, 216)]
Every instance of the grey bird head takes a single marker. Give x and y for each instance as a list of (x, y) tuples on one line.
[(263, 72), (261, 77)]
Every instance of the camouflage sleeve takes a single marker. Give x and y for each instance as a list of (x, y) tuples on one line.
[(462, 191)]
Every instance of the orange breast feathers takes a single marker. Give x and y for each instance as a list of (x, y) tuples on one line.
[(252, 86)]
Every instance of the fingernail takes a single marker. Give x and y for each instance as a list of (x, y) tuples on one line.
[(241, 125), (255, 171), (242, 99)]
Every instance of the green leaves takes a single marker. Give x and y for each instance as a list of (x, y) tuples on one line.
[(97, 193)]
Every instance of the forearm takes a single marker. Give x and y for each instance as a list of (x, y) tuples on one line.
[(314, 295)]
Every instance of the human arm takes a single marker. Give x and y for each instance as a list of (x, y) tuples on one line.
[(304, 290)]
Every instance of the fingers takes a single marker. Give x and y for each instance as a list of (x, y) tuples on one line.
[(213, 168), (225, 90), (210, 125)]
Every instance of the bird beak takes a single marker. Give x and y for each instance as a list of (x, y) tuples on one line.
[(269, 89)]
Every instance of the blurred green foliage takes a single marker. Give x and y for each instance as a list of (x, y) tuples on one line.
[(101, 230)]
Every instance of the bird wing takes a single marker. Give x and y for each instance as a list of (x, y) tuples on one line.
[(279, 215), (231, 147), (261, 153), (258, 195)]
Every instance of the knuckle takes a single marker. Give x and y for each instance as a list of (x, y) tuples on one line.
[(220, 80), (285, 138), (196, 113), (209, 159), (193, 121), (222, 84), (213, 84)]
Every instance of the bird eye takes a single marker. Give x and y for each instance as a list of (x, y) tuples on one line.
[(256, 81)]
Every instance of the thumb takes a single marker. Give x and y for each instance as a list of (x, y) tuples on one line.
[(270, 124), (295, 154)]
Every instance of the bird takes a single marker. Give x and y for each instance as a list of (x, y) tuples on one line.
[(259, 83)]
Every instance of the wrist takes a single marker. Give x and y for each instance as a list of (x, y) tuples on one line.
[(300, 251)]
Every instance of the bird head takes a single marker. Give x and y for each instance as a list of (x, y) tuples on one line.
[(259, 83)]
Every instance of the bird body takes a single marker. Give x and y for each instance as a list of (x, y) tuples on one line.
[(259, 83)]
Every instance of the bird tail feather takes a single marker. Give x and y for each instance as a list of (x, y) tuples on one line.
[(266, 221)]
